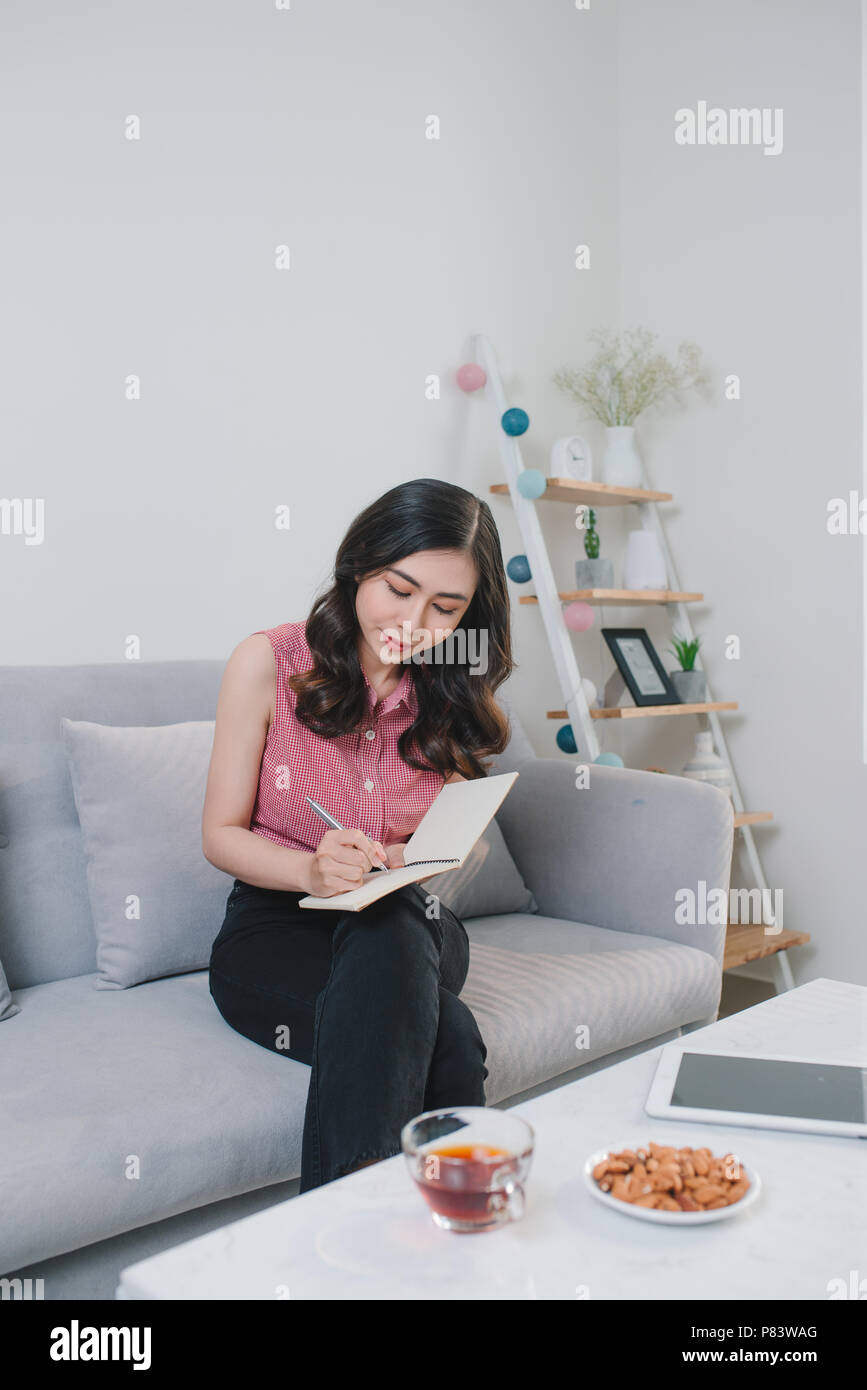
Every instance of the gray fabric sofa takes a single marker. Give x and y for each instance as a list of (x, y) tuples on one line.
[(88, 1076)]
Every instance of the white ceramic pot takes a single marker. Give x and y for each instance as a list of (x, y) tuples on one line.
[(621, 464), (644, 565), (706, 766)]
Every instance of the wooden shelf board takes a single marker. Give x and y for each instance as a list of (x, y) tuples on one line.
[(645, 711), (621, 598), (745, 942), (594, 494), (752, 817)]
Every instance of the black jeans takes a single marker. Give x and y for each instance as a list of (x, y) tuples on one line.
[(369, 1000)]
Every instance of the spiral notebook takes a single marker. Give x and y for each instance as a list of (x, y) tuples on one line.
[(442, 841)]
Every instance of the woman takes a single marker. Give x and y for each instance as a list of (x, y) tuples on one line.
[(358, 709)]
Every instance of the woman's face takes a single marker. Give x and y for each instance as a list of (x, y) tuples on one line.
[(414, 605)]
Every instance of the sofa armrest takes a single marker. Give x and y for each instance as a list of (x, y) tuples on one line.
[(616, 853)]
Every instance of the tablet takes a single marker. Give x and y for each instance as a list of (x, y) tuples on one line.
[(763, 1090)]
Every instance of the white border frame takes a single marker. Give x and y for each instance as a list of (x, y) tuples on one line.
[(658, 1101)]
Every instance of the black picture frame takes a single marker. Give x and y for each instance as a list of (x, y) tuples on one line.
[(635, 671)]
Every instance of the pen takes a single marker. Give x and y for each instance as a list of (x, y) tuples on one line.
[(335, 825)]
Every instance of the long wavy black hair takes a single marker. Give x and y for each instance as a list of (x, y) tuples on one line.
[(459, 722)]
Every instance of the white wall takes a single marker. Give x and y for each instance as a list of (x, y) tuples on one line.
[(757, 258), (305, 386), (261, 386)]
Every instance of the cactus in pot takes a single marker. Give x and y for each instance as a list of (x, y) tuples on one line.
[(593, 573)]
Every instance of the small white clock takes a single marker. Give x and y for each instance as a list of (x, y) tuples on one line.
[(571, 457)]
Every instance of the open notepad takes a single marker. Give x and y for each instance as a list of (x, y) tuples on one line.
[(442, 841)]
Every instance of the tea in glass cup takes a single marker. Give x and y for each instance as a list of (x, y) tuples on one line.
[(470, 1164)]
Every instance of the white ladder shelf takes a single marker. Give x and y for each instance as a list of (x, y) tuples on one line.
[(744, 942)]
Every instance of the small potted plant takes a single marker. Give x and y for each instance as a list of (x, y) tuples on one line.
[(691, 685), (593, 573)]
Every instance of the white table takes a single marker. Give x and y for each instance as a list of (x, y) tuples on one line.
[(370, 1236)]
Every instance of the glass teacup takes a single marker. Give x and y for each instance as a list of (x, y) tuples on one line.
[(470, 1164)]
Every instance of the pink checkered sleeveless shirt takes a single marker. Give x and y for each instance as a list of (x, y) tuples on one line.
[(358, 777)]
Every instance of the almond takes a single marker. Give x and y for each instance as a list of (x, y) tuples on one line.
[(709, 1193)]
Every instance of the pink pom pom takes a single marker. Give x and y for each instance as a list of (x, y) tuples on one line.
[(470, 376), (578, 617)]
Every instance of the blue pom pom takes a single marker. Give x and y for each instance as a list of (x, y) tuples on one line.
[(566, 740), (518, 569), (609, 759), (515, 421), (531, 483)]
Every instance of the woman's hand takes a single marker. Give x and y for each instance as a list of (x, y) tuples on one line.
[(341, 860), (394, 854)]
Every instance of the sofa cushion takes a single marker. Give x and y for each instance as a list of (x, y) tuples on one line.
[(487, 882), (7, 1008), (156, 901), (157, 1105), (143, 1102), (46, 926), (533, 982)]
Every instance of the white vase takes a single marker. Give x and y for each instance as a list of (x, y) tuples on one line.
[(706, 766), (644, 564), (621, 464)]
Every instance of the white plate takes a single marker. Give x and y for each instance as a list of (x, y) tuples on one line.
[(669, 1218)]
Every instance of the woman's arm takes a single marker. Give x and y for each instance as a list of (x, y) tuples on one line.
[(243, 711)]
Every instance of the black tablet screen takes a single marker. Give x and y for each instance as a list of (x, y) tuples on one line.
[(805, 1090)]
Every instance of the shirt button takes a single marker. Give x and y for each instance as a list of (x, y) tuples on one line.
[(368, 786), (370, 733)]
